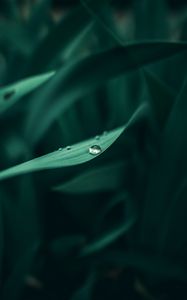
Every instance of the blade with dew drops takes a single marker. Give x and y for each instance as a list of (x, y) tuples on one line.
[(76, 154)]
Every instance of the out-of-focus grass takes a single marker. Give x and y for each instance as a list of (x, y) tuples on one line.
[(93, 97)]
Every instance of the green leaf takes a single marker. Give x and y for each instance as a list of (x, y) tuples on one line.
[(77, 79), (166, 177), (60, 38), (85, 292), (104, 178), (110, 237), (121, 198), (104, 15), (12, 93), (161, 97), (77, 154)]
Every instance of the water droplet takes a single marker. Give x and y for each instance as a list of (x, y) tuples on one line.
[(95, 150), (60, 149), (8, 95), (97, 137), (68, 148)]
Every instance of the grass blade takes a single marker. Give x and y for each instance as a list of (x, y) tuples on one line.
[(79, 78), (166, 175), (12, 93), (64, 32), (96, 180), (114, 234), (77, 154), (161, 97)]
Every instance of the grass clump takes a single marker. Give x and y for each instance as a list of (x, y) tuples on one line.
[(93, 150)]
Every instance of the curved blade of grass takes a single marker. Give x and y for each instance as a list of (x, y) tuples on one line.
[(121, 198), (60, 38), (77, 44), (161, 97), (10, 94), (105, 178), (108, 238), (86, 291), (101, 10), (79, 78), (167, 174), (78, 154)]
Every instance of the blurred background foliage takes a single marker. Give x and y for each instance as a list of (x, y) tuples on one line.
[(78, 78)]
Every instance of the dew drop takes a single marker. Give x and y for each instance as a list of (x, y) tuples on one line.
[(9, 94), (95, 150), (68, 148), (59, 149), (97, 137)]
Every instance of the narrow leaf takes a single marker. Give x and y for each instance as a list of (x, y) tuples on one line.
[(105, 178), (161, 97), (77, 79), (60, 38), (10, 94), (104, 15), (77, 154), (166, 175)]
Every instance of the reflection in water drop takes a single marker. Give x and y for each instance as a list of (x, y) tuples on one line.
[(60, 149), (68, 148), (95, 150)]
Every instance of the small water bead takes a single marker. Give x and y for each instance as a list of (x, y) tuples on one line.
[(68, 148), (60, 149), (97, 137), (95, 150)]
